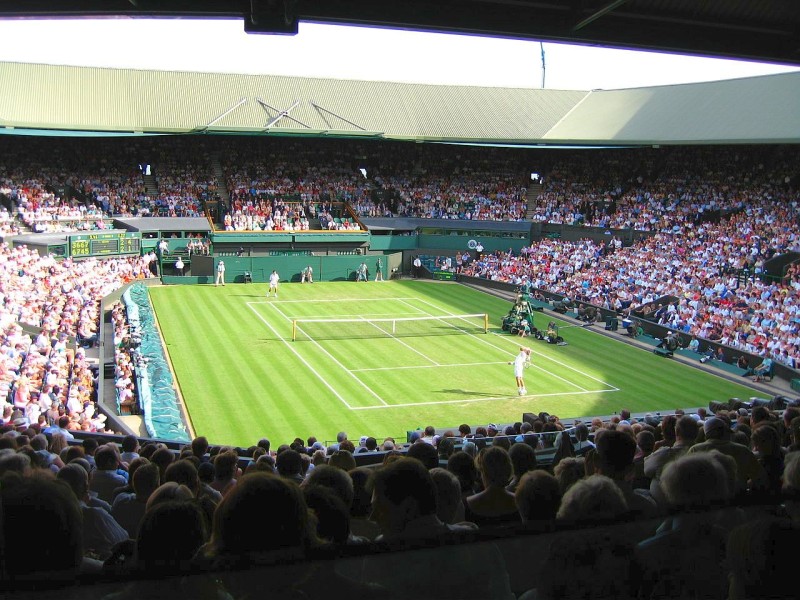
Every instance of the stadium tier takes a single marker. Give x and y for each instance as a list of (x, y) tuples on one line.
[(110, 323)]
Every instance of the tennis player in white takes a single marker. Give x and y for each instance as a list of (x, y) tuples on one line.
[(274, 278), (522, 360)]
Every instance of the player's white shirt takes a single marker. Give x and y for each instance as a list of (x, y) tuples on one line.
[(273, 280), (519, 364)]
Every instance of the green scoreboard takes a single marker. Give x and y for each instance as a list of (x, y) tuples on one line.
[(105, 244)]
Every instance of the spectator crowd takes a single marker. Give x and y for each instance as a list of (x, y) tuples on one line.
[(711, 214), (656, 491)]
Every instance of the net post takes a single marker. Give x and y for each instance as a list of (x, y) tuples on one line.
[(294, 329), (485, 322)]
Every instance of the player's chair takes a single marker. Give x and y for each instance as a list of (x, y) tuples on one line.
[(248, 277)]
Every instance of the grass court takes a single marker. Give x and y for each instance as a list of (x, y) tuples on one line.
[(378, 373)]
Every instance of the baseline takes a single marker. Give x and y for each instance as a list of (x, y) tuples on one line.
[(490, 399)]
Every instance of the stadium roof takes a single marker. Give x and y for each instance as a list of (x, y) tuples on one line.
[(42, 98), (767, 30)]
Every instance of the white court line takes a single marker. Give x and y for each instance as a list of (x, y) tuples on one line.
[(428, 358), (488, 343), (490, 399), (303, 360), (550, 358), (333, 358), (505, 362)]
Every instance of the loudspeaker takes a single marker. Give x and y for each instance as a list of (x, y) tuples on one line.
[(529, 418)]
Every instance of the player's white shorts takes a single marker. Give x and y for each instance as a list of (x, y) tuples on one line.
[(518, 372)]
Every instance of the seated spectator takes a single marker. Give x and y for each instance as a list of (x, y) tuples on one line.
[(130, 449), (361, 507), (425, 453), (128, 509), (106, 478), (404, 506), (170, 535), (494, 505), (100, 531), (749, 471), (39, 508), (523, 460), (341, 484), (167, 492), (449, 506), (686, 558), (184, 472), (685, 435), (331, 516), (791, 487), (759, 563), (614, 458), (761, 370), (564, 448), (568, 472), (596, 562), (244, 530), (225, 471), (343, 459), (766, 443), (538, 497), (163, 458), (593, 499)]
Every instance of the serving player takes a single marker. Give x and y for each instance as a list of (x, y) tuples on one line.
[(522, 360)]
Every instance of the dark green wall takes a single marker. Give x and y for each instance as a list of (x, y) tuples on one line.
[(326, 268), (459, 242), (393, 242)]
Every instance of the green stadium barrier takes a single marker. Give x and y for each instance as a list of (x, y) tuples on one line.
[(159, 402)]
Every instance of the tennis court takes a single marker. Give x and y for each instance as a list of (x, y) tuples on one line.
[(390, 342), (369, 359)]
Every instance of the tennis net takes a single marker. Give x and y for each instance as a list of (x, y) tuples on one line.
[(350, 328)]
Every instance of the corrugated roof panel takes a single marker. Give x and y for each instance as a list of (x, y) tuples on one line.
[(753, 109), (76, 98)]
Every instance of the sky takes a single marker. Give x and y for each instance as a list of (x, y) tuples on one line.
[(340, 52)]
